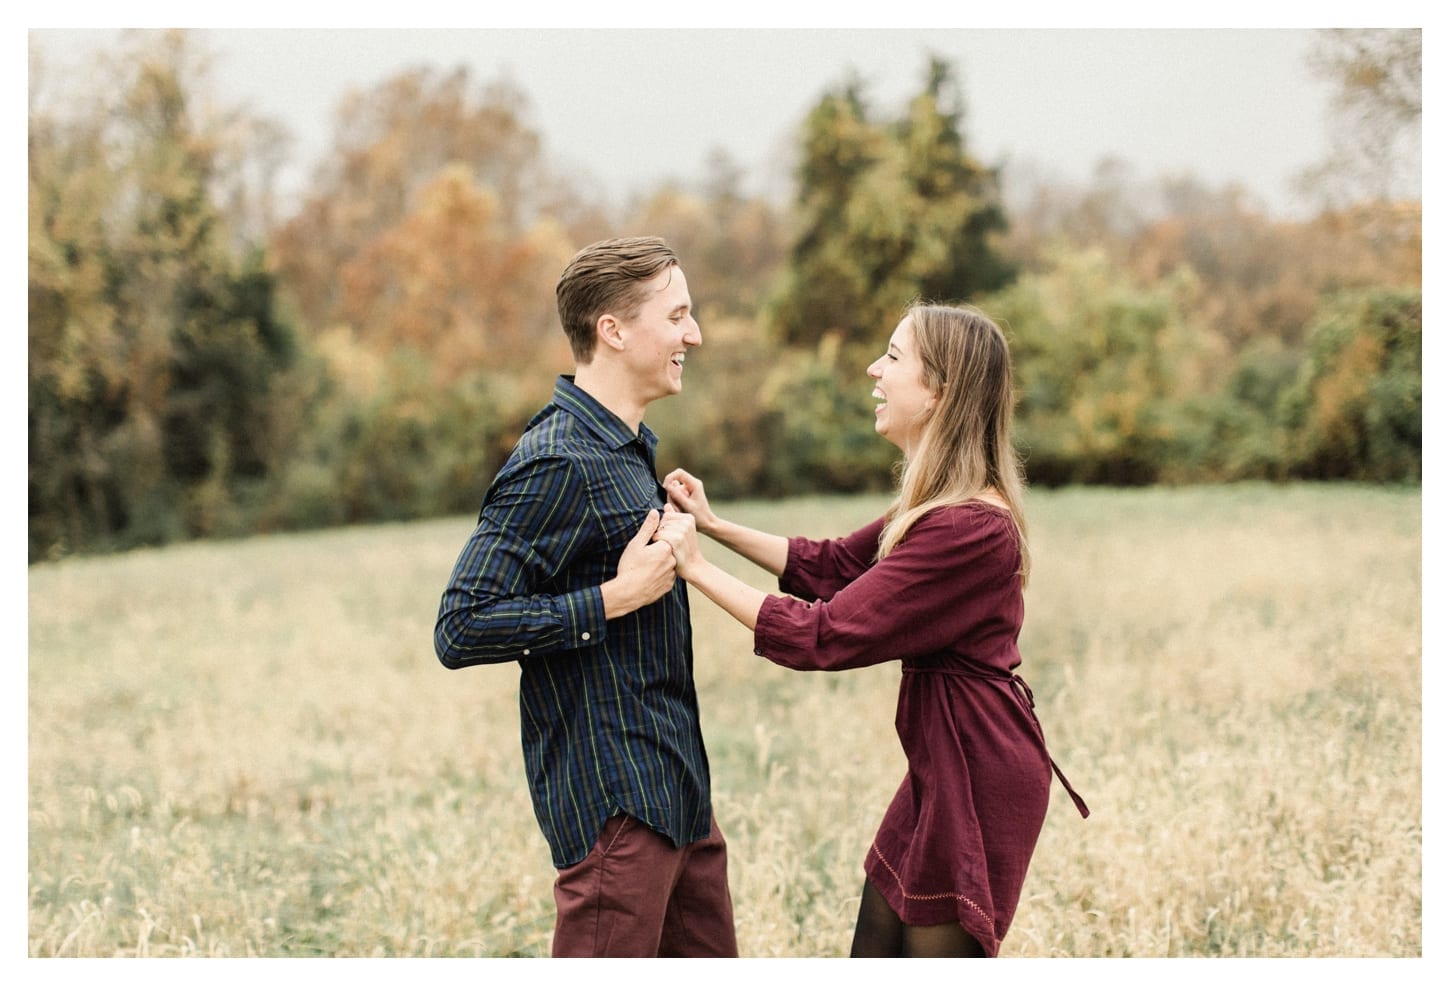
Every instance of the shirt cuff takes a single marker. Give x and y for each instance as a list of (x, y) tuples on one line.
[(583, 617)]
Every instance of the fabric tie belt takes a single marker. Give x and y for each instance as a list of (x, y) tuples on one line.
[(1022, 693)]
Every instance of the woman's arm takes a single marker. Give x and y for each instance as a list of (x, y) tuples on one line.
[(740, 600), (769, 551)]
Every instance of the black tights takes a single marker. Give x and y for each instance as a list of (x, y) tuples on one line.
[(880, 934)]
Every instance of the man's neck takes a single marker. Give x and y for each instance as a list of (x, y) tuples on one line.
[(599, 384)]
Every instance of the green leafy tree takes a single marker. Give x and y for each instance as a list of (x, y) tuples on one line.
[(156, 363), (886, 212), (1103, 369), (1355, 410)]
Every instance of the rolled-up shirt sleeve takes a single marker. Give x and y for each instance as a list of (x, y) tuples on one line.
[(502, 603), (819, 569)]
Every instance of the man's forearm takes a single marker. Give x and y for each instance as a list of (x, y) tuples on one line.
[(495, 632)]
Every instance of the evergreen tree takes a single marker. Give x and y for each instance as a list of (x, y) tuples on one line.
[(886, 212)]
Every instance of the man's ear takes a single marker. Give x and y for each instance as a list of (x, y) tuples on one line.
[(610, 332)]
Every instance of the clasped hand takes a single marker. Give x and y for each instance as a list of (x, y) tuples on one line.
[(646, 568), (677, 529)]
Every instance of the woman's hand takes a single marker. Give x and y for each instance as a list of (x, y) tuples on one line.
[(687, 495), (677, 529)]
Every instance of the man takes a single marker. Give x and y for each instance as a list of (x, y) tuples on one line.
[(561, 576)]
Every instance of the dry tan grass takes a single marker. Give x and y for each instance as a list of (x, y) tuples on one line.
[(248, 748)]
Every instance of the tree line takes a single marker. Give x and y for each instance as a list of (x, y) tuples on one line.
[(203, 363)]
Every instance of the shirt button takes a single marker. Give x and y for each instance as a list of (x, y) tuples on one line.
[(584, 635), (526, 652)]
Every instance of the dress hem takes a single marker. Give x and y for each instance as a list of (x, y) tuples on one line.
[(922, 910)]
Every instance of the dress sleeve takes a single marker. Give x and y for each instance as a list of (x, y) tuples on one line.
[(819, 569), (497, 606), (950, 574)]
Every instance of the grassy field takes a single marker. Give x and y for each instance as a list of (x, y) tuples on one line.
[(248, 749)]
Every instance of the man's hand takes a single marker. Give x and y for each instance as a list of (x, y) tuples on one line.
[(646, 571)]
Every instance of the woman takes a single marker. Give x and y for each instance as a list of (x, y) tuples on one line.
[(937, 585)]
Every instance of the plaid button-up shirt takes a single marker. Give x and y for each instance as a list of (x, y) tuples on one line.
[(609, 714)]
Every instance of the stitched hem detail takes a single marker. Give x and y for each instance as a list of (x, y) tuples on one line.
[(963, 898)]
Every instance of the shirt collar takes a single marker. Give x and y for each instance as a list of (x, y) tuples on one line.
[(598, 418)]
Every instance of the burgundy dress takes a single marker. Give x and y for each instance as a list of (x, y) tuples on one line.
[(947, 604)]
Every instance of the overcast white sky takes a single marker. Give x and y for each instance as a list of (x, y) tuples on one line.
[(632, 107)]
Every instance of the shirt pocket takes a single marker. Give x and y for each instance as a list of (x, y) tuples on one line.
[(625, 503)]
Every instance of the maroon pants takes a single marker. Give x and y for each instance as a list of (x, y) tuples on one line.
[(635, 895)]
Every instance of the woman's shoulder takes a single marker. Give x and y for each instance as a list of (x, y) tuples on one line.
[(974, 511), (969, 538), (956, 526)]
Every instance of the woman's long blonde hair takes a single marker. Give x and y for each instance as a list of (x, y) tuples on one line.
[(966, 445)]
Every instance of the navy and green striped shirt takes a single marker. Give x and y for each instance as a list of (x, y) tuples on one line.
[(610, 719)]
